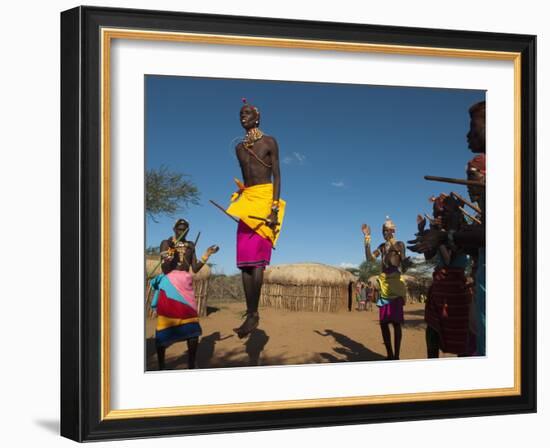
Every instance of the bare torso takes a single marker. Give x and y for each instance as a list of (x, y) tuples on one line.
[(392, 254), (257, 164), (183, 256)]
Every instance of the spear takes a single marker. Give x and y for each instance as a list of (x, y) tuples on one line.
[(452, 180), (429, 218), (473, 218), (265, 220), (232, 217), (223, 210), (465, 201)]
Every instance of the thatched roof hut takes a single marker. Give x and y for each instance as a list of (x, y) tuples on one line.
[(200, 284), (307, 287)]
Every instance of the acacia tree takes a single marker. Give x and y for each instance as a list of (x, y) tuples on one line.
[(369, 268), (167, 192), (366, 270)]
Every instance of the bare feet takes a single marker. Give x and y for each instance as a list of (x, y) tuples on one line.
[(249, 325)]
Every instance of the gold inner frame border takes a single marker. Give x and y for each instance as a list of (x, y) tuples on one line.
[(107, 35)]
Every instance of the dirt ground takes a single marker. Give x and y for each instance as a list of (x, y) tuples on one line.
[(290, 337)]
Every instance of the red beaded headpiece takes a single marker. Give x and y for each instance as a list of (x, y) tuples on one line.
[(477, 164)]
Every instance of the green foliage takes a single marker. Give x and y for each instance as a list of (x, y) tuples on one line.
[(353, 271), (422, 268), (152, 250), (168, 192), (369, 268), (225, 288)]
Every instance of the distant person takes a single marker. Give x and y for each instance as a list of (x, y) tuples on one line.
[(174, 301), (360, 296), (370, 295), (392, 288)]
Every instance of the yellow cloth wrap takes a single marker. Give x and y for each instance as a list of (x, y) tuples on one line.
[(166, 322), (391, 285), (256, 201)]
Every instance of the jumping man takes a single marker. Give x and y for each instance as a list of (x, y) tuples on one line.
[(259, 209)]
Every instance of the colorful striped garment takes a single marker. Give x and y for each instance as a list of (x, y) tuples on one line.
[(176, 307)]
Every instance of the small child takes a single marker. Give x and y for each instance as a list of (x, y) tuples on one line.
[(360, 297)]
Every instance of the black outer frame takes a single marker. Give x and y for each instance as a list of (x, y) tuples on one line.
[(80, 224)]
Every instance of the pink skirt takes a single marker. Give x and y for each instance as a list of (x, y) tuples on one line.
[(392, 312), (252, 250)]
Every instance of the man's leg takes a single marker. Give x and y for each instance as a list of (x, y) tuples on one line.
[(254, 289), (432, 342), (386, 336), (252, 284), (161, 352), (397, 333), (192, 345)]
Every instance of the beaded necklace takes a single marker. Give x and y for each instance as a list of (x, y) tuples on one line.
[(252, 136)]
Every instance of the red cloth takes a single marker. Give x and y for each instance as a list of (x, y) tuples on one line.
[(252, 249), (392, 312), (172, 308), (448, 309)]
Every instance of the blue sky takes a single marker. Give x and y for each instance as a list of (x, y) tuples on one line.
[(350, 154)]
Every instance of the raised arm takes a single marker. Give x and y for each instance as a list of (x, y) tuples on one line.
[(471, 237), (198, 264), (370, 256)]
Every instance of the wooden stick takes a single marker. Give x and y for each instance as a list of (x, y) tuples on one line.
[(473, 218), (452, 180), (266, 221), (148, 299), (223, 210), (465, 201), (150, 275), (429, 218)]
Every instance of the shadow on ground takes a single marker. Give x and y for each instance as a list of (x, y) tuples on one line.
[(419, 312), (211, 310), (349, 349), (250, 354)]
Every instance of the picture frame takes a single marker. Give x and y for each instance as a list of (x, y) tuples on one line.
[(86, 210)]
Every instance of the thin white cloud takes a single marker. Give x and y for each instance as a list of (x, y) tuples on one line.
[(339, 184), (295, 157), (300, 157), (346, 265)]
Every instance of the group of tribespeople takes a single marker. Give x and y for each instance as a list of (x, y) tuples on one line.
[(455, 309), (455, 316), (365, 295), (455, 306)]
